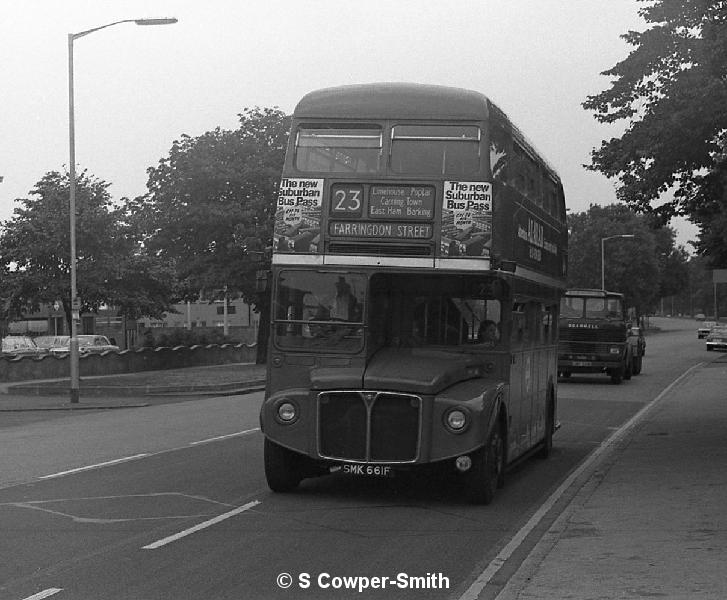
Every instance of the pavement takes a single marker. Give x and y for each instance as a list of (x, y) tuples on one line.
[(133, 389), (650, 520)]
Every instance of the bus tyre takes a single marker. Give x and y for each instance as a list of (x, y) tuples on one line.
[(282, 467), (488, 469)]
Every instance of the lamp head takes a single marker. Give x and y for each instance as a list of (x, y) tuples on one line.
[(163, 21)]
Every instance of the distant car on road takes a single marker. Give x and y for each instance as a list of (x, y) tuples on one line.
[(704, 329), (20, 345), (717, 338), (700, 317)]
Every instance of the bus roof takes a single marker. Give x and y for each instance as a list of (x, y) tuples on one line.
[(397, 100), (393, 101)]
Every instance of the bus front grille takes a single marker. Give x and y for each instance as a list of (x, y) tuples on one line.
[(369, 426)]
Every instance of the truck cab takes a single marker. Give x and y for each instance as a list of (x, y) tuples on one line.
[(593, 333)]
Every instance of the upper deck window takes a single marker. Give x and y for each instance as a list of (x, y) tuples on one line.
[(334, 149), (435, 149)]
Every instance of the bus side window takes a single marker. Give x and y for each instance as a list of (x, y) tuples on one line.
[(517, 333), (538, 324), (548, 327), (500, 150), (531, 331)]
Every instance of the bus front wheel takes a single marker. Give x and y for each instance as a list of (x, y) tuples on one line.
[(488, 469), (283, 468)]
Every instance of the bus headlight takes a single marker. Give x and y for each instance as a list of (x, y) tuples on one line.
[(456, 420), (286, 412)]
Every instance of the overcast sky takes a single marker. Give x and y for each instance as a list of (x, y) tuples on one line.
[(137, 89)]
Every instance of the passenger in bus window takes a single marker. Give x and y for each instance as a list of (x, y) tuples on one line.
[(488, 333), (418, 335), (343, 305)]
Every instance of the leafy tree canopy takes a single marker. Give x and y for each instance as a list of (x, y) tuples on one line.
[(35, 253), (639, 268), (672, 92), (210, 205)]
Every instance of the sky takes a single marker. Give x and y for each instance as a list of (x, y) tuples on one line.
[(138, 89)]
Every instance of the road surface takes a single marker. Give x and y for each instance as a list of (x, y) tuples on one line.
[(170, 502)]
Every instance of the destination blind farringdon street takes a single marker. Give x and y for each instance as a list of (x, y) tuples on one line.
[(380, 230)]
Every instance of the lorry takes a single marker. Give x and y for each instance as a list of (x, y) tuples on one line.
[(593, 335)]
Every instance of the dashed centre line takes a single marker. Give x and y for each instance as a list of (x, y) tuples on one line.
[(200, 526), (224, 437), (44, 594), (147, 454), (95, 466)]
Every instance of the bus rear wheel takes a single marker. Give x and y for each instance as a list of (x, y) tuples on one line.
[(283, 468), (488, 469)]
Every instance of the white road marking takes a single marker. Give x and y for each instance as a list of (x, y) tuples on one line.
[(473, 592), (224, 437), (196, 528), (148, 454), (44, 594), (96, 466)]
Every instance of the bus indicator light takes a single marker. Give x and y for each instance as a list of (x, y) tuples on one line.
[(463, 463)]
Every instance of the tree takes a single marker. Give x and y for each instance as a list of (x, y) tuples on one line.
[(35, 253), (671, 91), (638, 267), (210, 207)]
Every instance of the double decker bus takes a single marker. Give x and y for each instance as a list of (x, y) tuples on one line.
[(420, 252)]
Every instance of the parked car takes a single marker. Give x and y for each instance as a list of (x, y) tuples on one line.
[(638, 348), (95, 344), (53, 344), (87, 344), (717, 338), (704, 329), (20, 345)]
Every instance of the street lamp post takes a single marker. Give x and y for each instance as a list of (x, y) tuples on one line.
[(75, 300), (603, 263)]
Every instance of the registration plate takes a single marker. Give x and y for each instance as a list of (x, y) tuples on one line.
[(582, 363), (367, 470)]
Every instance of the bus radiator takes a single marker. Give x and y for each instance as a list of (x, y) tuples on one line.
[(369, 426)]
